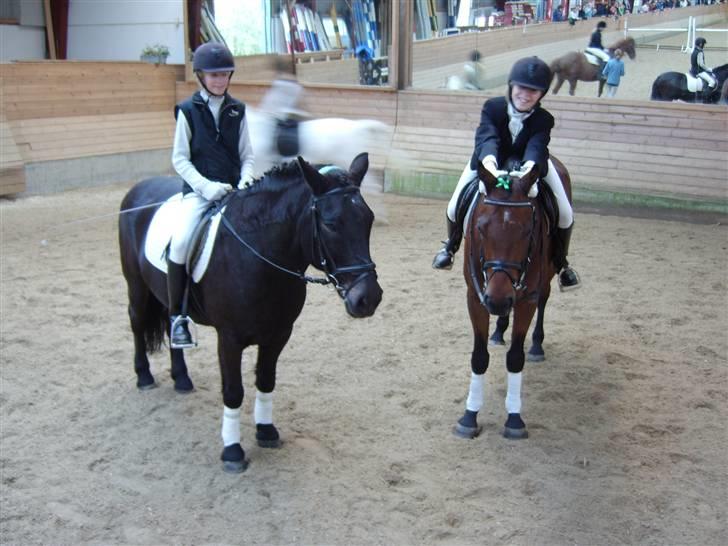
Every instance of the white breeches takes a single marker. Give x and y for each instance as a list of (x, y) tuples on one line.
[(467, 176), (192, 208), (566, 213), (709, 79), (603, 55)]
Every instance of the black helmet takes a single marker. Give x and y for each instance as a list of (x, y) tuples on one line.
[(475, 55), (531, 72), (601, 24), (213, 57), (700, 42)]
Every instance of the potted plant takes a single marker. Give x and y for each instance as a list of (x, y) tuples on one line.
[(156, 54)]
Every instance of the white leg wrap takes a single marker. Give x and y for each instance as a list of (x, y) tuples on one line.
[(263, 408), (513, 396), (230, 426), (476, 395), (566, 213)]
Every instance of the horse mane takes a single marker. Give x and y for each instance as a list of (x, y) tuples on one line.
[(275, 197)]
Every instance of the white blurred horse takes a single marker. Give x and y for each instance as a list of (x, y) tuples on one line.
[(329, 141)]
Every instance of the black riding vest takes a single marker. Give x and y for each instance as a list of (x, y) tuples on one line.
[(694, 68), (214, 150)]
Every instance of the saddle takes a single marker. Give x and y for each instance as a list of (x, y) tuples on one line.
[(696, 84), (592, 59), (159, 235), (286, 137)]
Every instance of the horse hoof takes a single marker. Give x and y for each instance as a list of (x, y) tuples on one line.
[(183, 386), (146, 386), (531, 357), (461, 431), (234, 467), (267, 436), (515, 433), (233, 459), (496, 342)]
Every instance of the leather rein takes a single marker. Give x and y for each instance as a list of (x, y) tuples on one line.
[(319, 250)]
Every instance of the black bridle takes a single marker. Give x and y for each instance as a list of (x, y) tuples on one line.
[(318, 248), (325, 259), (502, 266)]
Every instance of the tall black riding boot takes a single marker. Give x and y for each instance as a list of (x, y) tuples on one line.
[(444, 259), (568, 278), (179, 336)]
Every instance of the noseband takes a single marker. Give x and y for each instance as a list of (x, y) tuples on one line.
[(325, 260), (502, 266)]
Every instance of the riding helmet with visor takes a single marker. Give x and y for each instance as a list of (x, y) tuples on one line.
[(213, 57), (700, 42), (531, 72)]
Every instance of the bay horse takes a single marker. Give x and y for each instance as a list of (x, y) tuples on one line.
[(670, 86), (508, 267), (575, 66), (254, 287)]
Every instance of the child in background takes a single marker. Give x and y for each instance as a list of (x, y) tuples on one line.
[(613, 71)]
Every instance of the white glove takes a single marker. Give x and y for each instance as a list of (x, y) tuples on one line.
[(492, 168), (212, 191), (245, 183), (526, 168)]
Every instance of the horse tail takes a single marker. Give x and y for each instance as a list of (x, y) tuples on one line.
[(154, 323)]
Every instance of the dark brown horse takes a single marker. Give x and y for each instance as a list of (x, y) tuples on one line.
[(574, 66), (255, 286), (508, 267)]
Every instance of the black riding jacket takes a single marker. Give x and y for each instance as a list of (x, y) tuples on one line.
[(596, 40), (697, 62), (214, 150)]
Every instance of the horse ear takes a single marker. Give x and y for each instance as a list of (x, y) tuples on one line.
[(359, 167), (525, 182), (487, 178), (313, 178)]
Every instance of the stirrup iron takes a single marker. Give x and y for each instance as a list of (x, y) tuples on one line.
[(183, 320)]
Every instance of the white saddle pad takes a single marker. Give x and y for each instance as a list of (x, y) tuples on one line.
[(159, 235), (695, 85), (591, 58)]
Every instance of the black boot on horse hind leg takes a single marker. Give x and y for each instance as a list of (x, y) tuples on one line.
[(568, 278), (179, 335), (445, 258)]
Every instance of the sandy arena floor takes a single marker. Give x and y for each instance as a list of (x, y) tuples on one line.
[(627, 415)]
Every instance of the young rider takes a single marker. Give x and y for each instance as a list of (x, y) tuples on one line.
[(698, 68), (212, 153), (516, 126), (595, 44)]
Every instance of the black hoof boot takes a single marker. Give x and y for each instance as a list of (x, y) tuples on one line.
[(467, 426), (267, 436), (233, 459), (515, 428)]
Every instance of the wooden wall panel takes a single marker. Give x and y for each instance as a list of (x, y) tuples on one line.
[(655, 148)]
